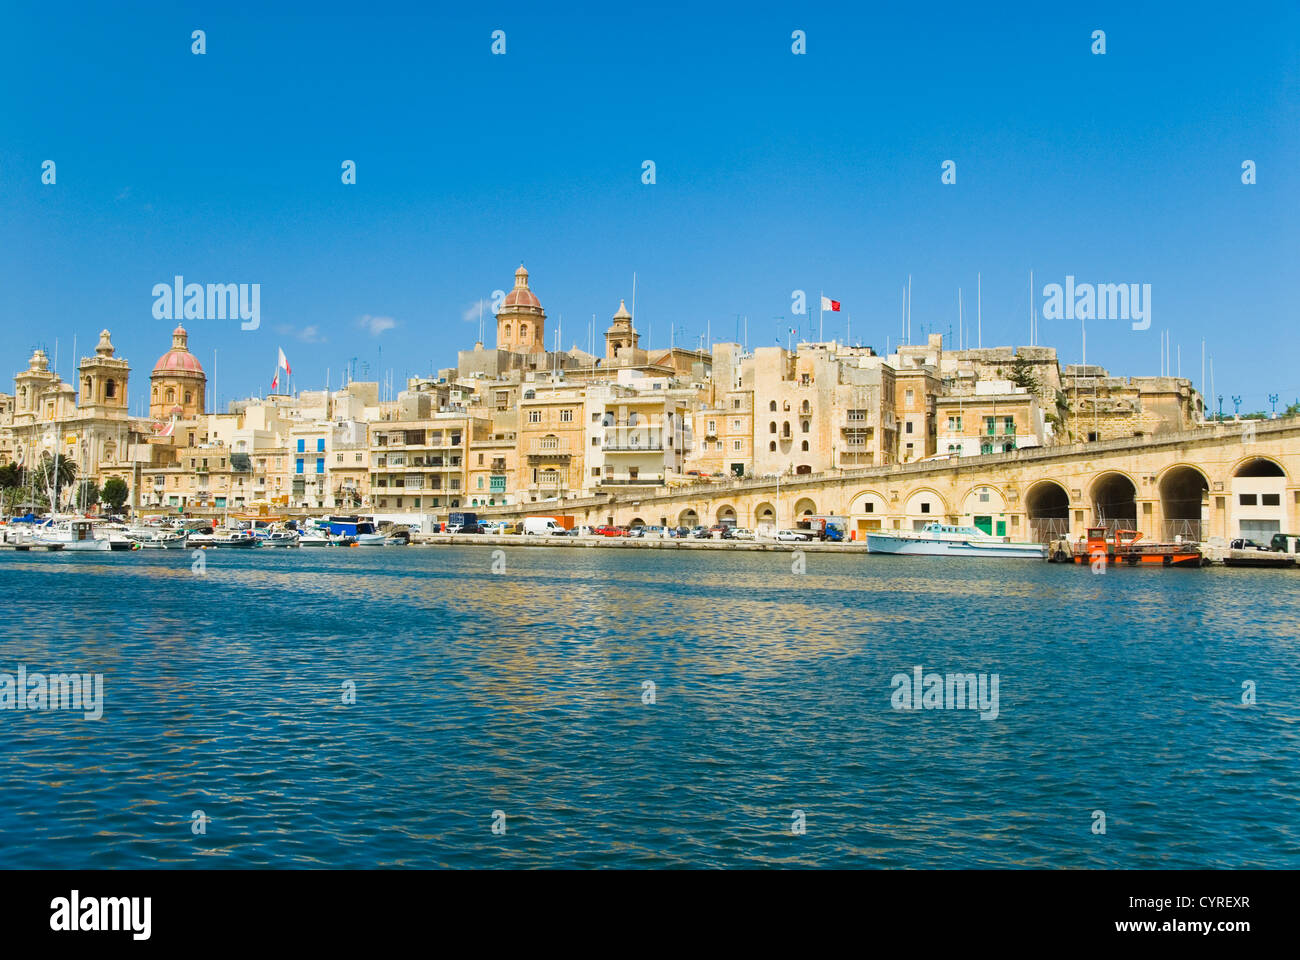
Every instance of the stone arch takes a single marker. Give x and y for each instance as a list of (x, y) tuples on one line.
[(925, 505), (636, 522), (1182, 488), (726, 512), (1114, 500), (1047, 502), (1258, 466), (688, 518), (765, 511), (804, 507)]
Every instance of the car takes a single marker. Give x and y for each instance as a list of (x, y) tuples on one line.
[(740, 533), (722, 530), (1285, 543), (1244, 544), (793, 536)]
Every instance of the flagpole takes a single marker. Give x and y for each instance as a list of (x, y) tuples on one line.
[(979, 312)]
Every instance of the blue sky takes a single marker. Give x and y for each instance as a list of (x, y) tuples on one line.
[(774, 172)]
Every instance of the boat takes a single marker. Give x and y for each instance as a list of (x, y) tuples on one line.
[(280, 538), (234, 538), (1127, 548), (947, 540), (314, 538), (361, 532), (159, 539), (77, 535)]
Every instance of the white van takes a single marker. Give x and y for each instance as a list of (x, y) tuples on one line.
[(542, 527)]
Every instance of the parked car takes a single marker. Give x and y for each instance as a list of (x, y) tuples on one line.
[(1285, 543), (793, 536), (740, 533), (699, 533), (1244, 544), (722, 530)]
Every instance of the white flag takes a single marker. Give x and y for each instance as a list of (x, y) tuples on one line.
[(284, 362)]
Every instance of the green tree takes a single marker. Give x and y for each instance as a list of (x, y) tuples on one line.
[(11, 477), (1022, 375), (87, 494), (114, 493)]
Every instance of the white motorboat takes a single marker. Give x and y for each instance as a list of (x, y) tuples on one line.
[(946, 540), (77, 535)]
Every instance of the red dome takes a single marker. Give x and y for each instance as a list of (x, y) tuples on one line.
[(181, 360), (521, 296)]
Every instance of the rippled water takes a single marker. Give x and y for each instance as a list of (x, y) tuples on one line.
[(522, 693)]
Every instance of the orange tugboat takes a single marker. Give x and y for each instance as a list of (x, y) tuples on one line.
[(1126, 548)]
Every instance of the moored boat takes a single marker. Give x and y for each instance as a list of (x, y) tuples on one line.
[(76, 535), (947, 540), (159, 538)]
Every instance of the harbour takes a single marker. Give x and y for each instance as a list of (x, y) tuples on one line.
[(772, 693)]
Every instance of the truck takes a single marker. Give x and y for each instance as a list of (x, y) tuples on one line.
[(544, 526), (830, 529), (462, 522)]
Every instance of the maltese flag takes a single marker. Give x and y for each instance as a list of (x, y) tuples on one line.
[(829, 304), (275, 381), (284, 361)]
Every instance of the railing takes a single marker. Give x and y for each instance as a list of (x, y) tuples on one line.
[(1046, 529), (1188, 530), (631, 482), (542, 447)]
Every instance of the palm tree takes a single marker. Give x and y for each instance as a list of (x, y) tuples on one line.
[(56, 472)]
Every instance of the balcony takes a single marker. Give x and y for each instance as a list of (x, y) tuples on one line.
[(650, 480), (548, 448)]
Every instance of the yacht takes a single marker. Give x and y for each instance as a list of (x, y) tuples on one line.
[(946, 540), (158, 538)]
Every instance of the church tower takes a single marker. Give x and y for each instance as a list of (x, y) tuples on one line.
[(103, 379), (621, 340), (521, 321)]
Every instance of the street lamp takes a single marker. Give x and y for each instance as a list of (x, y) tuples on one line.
[(1220, 416), (1236, 406), (1272, 399)]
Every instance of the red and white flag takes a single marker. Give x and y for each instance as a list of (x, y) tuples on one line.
[(284, 361), (829, 304), (275, 381)]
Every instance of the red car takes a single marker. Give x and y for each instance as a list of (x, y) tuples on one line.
[(610, 532)]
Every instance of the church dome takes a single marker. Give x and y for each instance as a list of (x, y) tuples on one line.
[(521, 296), (179, 359)]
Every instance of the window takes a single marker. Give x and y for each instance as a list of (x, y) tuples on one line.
[(736, 445), (772, 446), (320, 465), (595, 441), (595, 471), (990, 425), (338, 458), (984, 494), (480, 483), (772, 406), (320, 444), (735, 425), (908, 394), (712, 427), (735, 404), (806, 408), (189, 397), (804, 426), (1270, 500), (805, 445), (785, 429), (1247, 499), (908, 427), (523, 331), (986, 447), (1092, 436), (299, 465), (302, 444), (534, 416), (1009, 425), (856, 415), (566, 416), (925, 506), (954, 424), (772, 427), (110, 389)]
